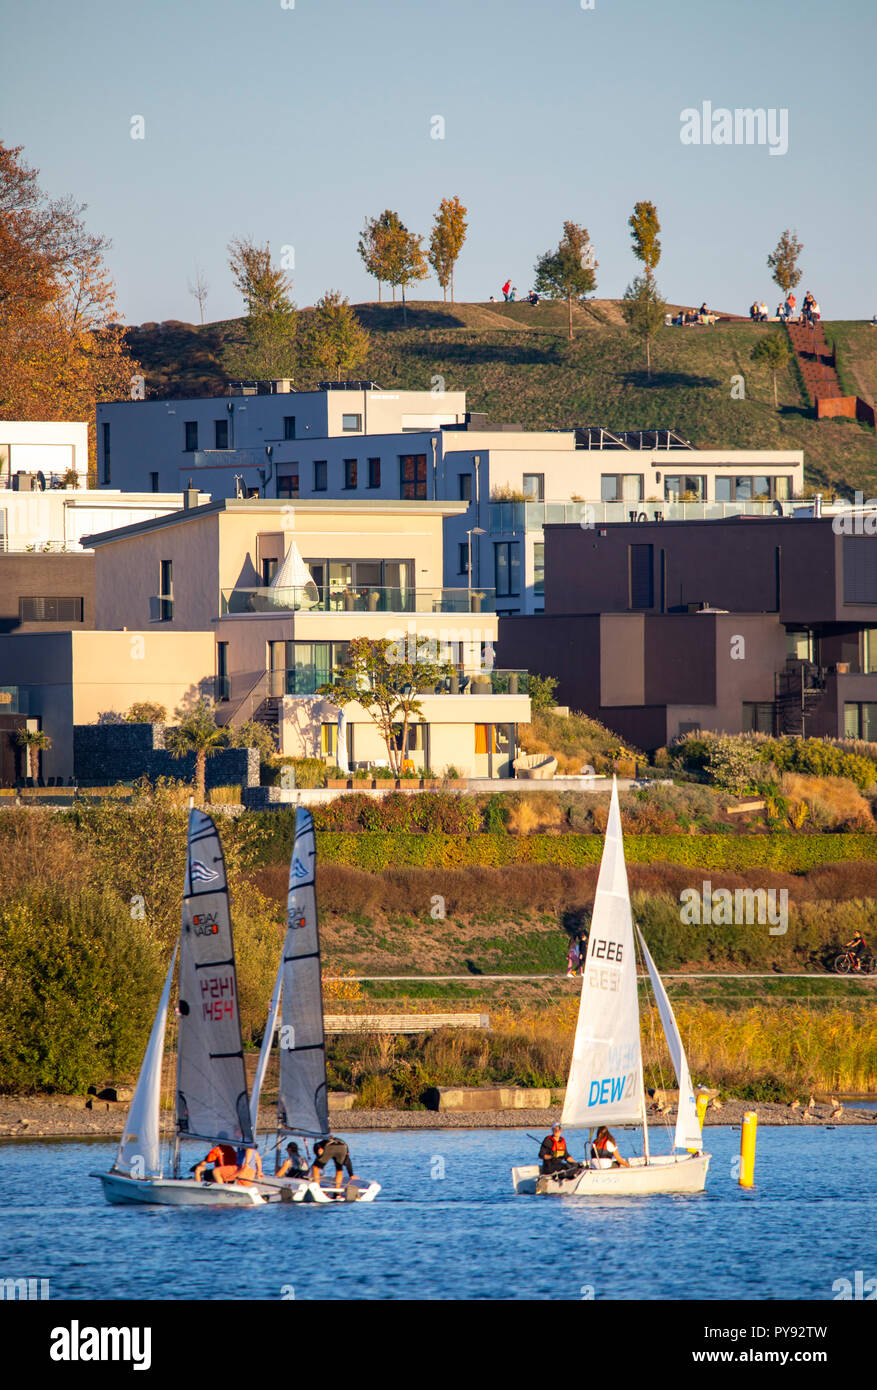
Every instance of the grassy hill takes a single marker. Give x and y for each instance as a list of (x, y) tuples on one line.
[(515, 362)]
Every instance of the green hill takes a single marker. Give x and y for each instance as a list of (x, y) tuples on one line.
[(515, 362)]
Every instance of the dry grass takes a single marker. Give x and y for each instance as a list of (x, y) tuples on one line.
[(827, 802)]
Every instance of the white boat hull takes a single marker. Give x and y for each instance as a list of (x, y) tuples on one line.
[(663, 1173), (176, 1192), (300, 1190)]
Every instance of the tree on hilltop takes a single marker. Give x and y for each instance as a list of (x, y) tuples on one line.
[(644, 310), (774, 352), (446, 241), (270, 326), (337, 344), (783, 261), (568, 272), (644, 228)]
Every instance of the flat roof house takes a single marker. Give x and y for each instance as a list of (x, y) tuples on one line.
[(758, 624)]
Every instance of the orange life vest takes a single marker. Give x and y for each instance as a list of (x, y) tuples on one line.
[(558, 1145), (223, 1154)]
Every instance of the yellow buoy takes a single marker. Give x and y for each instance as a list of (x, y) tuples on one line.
[(747, 1149)]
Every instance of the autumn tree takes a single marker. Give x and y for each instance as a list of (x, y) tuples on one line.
[(783, 261), (773, 352), (446, 241), (372, 247), (568, 272), (644, 228), (644, 311), (269, 348), (61, 346), (337, 343)]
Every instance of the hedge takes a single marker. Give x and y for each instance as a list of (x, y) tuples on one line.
[(789, 852)]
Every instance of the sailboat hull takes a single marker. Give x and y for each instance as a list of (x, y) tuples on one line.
[(300, 1190), (662, 1174), (175, 1192)]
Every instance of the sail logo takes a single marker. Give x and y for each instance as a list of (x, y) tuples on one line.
[(298, 869), (611, 1089), (200, 872), (206, 924)]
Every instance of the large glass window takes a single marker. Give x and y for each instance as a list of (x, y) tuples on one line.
[(799, 645), (351, 423), (869, 652), (287, 483), (507, 565), (534, 487), (684, 487), (220, 434), (621, 487), (860, 721), (539, 568), (757, 717), (321, 469), (412, 470)]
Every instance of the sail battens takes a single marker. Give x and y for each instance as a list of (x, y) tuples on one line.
[(211, 1099), (605, 1078), (303, 1106)]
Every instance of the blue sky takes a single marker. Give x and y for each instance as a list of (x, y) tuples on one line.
[(292, 124)]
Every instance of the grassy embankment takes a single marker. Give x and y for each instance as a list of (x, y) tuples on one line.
[(515, 363)]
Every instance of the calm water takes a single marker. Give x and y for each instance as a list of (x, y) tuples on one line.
[(811, 1219)]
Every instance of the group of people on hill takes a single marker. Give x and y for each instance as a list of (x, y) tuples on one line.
[(510, 294), (788, 310), (225, 1163)]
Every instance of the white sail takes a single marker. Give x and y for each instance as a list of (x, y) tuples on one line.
[(605, 1079), (211, 1101), (303, 1104), (688, 1134), (139, 1151), (265, 1050), (293, 585), (341, 752)]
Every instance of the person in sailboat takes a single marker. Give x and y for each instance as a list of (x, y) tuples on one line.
[(224, 1158), (336, 1149), (249, 1165), (604, 1146), (294, 1165), (556, 1160)]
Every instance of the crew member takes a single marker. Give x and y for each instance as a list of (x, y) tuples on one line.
[(555, 1156), (332, 1148), (249, 1165), (293, 1166), (225, 1164), (604, 1146)]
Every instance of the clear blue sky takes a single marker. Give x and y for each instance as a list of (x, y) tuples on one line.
[(290, 125)]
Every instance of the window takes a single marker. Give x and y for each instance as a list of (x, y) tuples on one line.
[(760, 487), (640, 572), (191, 428), (289, 427), (329, 740), (223, 685), (287, 484), (166, 591), (374, 472), (351, 423), (462, 557), (50, 610), (485, 741), (539, 568), (412, 468), (534, 487), (799, 644), (106, 440), (757, 717), (350, 473), (220, 434), (684, 487), (621, 487), (320, 475), (869, 651), (507, 567), (153, 477), (860, 721), (269, 569), (464, 482)]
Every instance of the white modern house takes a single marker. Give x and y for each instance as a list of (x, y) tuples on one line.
[(351, 441), (36, 454)]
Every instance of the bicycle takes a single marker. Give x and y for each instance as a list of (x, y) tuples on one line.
[(848, 963)]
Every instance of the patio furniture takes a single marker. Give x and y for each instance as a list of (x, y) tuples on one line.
[(535, 765)]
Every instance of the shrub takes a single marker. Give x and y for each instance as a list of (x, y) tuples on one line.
[(146, 712), (541, 690)]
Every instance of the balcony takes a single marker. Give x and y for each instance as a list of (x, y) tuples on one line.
[(357, 599), (532, 516), (306, 679)]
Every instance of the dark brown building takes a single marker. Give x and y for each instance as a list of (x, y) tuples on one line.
[(46, 592), (745, 623)]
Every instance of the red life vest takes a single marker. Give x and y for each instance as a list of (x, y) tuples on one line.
[(558, 1146)]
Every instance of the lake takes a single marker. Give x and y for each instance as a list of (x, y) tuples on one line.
[(447, 1225)]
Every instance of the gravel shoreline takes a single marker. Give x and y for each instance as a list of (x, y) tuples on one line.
[(46, 1117)]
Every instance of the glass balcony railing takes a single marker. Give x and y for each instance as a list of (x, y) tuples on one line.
[(532, 516), (307, 679), (357, 599)]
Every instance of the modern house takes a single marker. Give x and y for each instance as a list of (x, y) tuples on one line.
[(743, 624), (353, 440), (186, 604), (40, 454)]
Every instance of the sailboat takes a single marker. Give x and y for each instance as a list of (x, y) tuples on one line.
[(605, 1084), (211, 1104), (297, 1002)]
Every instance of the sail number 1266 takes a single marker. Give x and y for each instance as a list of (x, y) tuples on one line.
[(607, 950)]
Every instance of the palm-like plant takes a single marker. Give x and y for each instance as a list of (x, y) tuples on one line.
[(34, 742), (197, 733)]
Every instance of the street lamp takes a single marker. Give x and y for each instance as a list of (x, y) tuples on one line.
[(473, 531)]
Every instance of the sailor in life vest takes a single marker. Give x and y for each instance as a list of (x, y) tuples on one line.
[(555, 1155), (225, 1165), (604, 1146)]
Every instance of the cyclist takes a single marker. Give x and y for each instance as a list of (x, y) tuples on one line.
[(857, 948)]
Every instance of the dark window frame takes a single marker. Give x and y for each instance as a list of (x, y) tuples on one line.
[(321, 475), (351, 474), (190, 444), (374, 472)]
